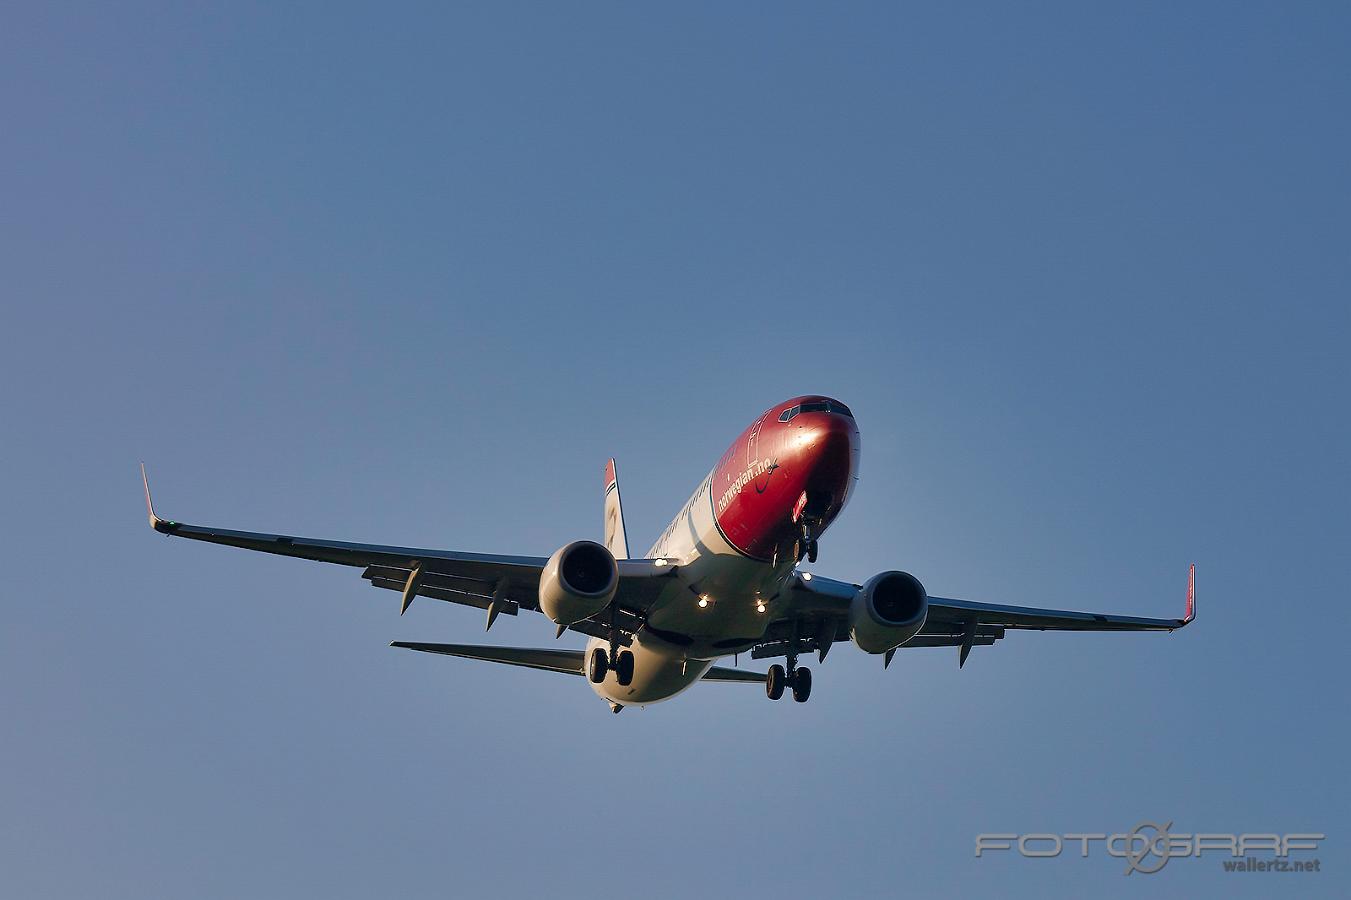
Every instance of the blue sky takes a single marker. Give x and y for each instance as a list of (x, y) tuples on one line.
[(411, 274)]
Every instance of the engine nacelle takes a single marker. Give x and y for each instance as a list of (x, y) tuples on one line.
[(579, 581), (887, 611)]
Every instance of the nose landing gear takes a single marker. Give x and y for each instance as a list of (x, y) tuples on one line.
[(810, 515), (805, 545)]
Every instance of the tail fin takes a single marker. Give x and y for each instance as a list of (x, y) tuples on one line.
[(616, 538)]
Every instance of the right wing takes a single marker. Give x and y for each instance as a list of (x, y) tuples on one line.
[(815, 594), (820, 610), (470, 579)]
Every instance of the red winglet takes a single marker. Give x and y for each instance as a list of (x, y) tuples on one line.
[(163, 526), (1191, 595)]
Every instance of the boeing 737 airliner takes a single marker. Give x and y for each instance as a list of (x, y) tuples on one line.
[(726, 577)]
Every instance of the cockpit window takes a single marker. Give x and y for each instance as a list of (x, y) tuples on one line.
[(832, 406)]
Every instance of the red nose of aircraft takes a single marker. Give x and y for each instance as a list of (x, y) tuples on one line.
[(787, 476), (825, 447)]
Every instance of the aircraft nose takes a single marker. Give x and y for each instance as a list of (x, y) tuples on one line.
[(830, 446)]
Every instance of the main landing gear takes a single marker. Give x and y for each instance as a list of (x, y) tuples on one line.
[(799, 678), (599, 664)]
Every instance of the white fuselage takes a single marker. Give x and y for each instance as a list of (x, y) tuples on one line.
[(733, 588)]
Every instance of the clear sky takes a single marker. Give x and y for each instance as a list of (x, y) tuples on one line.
[(409, 274)]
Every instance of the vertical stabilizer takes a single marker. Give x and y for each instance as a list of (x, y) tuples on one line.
[(616, 539)]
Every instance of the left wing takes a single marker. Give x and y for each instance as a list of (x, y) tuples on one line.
[(501, 584)]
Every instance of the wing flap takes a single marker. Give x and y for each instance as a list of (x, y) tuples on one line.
[(464, 598)]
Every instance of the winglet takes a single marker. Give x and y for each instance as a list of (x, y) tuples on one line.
[(1191, 595), (160, 525)]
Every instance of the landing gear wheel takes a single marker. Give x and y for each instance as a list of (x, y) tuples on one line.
[(811, 551), (802, 684), (598, 665), (775, 681), (624, 668)]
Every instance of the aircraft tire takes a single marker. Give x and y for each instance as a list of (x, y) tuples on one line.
[(774, 682), (624, 668), (802, 684), (598, 665)]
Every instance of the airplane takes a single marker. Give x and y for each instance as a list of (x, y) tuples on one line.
[(728, 576)]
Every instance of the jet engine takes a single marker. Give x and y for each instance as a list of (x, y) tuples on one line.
[(579, 581), (887, 611)]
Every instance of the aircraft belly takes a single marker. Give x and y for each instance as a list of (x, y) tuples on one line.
[(659, 673)]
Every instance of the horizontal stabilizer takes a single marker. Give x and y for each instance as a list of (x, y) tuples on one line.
[(718, 673), (569, 662)]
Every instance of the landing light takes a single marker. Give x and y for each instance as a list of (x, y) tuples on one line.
[(659, 563), (759, 606), (806, 576), (703, 601)]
